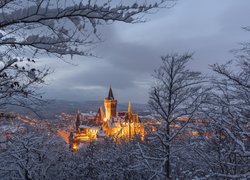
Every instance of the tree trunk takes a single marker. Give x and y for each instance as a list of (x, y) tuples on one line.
[(167, 163)]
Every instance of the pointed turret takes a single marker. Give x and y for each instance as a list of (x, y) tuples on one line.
[(129, 108), (129, 111), (111, 96), (129, 118), (100, 115), (78, 117)]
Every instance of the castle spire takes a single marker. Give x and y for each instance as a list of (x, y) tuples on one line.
[(129, 108), (78, 117), (129, 111), (100, 115), (110, 96)]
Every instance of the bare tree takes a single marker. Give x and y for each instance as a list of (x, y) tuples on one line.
[(62, 27), (175, 98), (54, 27), (38, 156), (228, 112), (32, 156), (19, 82)]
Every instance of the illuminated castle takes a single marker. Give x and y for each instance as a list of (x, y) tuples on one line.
[(110, 123)]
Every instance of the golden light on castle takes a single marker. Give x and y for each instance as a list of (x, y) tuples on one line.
[(108, 123)]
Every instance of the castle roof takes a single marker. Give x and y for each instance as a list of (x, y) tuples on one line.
[(111, 96)]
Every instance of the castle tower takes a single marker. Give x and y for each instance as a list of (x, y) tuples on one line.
[(110, 105)]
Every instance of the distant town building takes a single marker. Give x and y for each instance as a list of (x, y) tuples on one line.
[(108, 123)]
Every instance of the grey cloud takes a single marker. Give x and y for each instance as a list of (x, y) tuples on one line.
[(130, 52)]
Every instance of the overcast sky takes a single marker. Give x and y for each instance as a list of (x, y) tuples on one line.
[(131, 52)]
